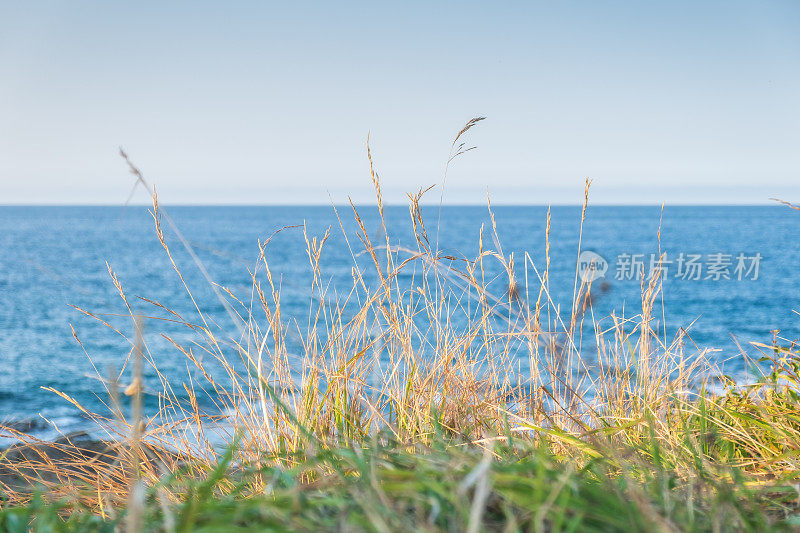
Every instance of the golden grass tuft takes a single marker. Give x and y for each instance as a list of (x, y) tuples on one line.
[(409, 359)]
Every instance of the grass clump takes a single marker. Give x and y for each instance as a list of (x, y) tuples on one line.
[(405, 404), (384, 485)]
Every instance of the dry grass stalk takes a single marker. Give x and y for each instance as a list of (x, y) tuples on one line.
[(407, 358)]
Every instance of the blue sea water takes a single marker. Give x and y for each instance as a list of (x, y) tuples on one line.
[(54, 259)]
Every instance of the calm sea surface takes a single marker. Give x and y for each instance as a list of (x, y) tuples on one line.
[(54, 258)]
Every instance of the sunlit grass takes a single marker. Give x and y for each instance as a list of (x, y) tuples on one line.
[(408, 407)]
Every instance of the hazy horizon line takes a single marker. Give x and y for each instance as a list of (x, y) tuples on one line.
[(777, 203)]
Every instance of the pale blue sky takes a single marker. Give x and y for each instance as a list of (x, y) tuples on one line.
[(253, 102)]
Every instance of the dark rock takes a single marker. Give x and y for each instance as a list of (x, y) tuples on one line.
[(77, 456), (27, 425)]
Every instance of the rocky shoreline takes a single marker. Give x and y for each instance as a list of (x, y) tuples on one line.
[(18, 471), (76, 457)]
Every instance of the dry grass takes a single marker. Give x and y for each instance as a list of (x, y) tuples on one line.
[(410, 360)]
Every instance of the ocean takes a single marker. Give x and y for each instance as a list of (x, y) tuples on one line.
[(730, 277)]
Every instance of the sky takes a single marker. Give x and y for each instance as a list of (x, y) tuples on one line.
[(270, 103)]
